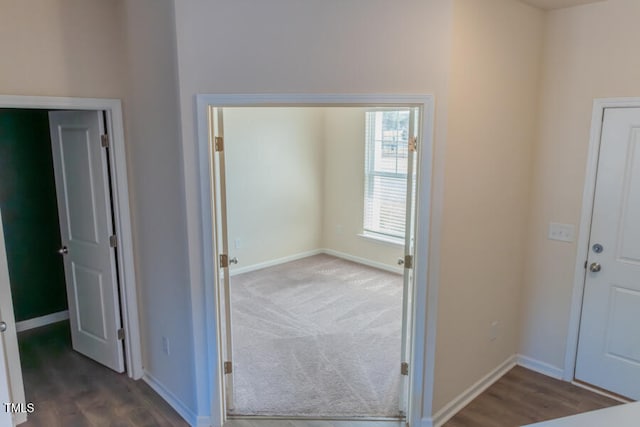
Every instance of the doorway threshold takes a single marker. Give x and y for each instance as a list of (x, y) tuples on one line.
[(298, 421)]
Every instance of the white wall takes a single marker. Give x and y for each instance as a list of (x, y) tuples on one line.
[(344, 143), (295, 184), (153, 137), (275, 168), (590, 53), (497, 47), (62, 48), (125, 50), (291, 46)]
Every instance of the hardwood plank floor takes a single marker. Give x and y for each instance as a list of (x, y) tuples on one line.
[(523, 397), (70, 390)]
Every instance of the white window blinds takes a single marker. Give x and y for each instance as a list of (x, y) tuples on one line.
[(386, 159)]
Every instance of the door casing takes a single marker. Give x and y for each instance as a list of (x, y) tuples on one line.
[(423, 316), (597, 120), (122, 214)]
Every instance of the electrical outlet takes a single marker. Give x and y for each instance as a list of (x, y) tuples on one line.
[(165, 346), (238, 243), (561, 232), (494, 330)]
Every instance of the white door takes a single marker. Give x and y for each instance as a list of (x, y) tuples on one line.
[(84, 207), (609, 344), (222, 241), (409, 246), (11, 386)]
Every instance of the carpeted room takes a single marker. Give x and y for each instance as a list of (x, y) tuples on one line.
[(316, 299)]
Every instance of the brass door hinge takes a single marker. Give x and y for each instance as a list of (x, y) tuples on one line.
[(404, 368), (408, 261), (228, 367), (104, 140), (413, 144), (224, 260), (121, 333), (113, 241), (218, 143)]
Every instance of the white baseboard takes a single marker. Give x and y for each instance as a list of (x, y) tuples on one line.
[(274, 262), (540, 367), (203, 422), (453, 407), (363, 261), (37, 322), (19, 418), (302, 255), (182, 409)]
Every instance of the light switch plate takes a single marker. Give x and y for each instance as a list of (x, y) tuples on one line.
[(562, 232)]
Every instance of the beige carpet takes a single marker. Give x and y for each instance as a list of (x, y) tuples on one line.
[(317, 337)]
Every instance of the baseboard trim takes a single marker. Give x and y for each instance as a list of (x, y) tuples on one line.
[(301, 255), (363, 261), (19, 419), (540, 367), (453, 407), (37, 322), (187, 414), (274, 262), (204, 422)]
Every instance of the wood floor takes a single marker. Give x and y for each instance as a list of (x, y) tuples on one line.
[(523, 397), (69, 390)]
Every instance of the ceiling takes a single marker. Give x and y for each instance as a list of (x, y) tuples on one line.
[(557, 4)]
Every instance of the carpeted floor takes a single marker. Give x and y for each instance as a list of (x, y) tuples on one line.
[(317, 337)]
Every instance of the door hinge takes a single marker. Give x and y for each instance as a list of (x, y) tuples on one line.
[(121, 333), (224, 260), (113, 241), (104, 140), (218, 143), (228, 367), (404, 368), (408, 261), (413, 144)]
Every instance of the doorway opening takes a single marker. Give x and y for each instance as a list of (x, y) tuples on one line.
[(313, 222), (68, 244)]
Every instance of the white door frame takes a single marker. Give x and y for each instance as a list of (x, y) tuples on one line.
[(597, 120), (126, 272), (423, 331)]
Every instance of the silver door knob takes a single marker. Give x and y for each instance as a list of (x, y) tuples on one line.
[(233, 260), (595, 267), (63, 250), (3, 326)]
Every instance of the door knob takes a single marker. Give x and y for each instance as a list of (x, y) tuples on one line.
[(63, 250), (233, 260), (3, 326), (595, 267), (400, 261)]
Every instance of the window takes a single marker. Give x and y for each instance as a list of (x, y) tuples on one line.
[(386, 160)]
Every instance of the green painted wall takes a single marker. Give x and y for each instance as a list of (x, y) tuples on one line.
[(30, 215)]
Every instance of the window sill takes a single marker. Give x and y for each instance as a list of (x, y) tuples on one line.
[(390, 241)]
